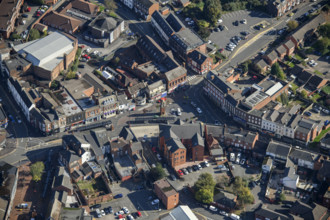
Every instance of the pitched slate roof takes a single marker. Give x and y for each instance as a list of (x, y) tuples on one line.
[(61, 22), (281, 49), (167, 29), (136, 146), (278, 149), (304, 76), (197, 140), (225, 199), (289, 44), (187, 39), (151, 48), (315, 81), (262, 63), (311, 25), (289, 170), (174, 144), (174, 22), (175, 73), (85, 6), (306, 211), (272, 55), (303, 155), (270, 214), (105, 22), (325, 169), (198, 57), (297, 69), (126, 134)]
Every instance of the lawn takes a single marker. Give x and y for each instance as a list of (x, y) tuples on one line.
[(298, 57), (319, 137), (290, 64), (315, 97), (298, 102), (326, 89), (91, 186), (294, 87), (318, 72)]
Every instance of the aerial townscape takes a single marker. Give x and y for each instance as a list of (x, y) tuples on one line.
[(165, 109)]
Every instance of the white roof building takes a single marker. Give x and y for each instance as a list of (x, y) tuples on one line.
[(46, 52), (182, 212)]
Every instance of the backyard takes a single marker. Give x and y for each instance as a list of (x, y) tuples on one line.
[(93, 186)]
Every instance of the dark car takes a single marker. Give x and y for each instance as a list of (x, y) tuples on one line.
[(195, 168), (308, 113), (190, 169), (236, 23), (110, 209), (252, 184), (25, 15), (203, 164), (81, 66), (221, 27), (120, 195), (96, 206)]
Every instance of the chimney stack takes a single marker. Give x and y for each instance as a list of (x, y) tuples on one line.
[(212, 77), (199, 56)]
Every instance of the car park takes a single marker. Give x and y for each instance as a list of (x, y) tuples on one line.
[(185, 171)]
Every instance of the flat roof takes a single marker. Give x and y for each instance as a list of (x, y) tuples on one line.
[(69, 105), (255, 98)]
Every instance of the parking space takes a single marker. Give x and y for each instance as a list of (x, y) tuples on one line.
[(234, 25), (192, 177), (28, 18), (320, 64)]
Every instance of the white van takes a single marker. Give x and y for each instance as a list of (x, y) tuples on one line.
[(179, 112), (234, 216), (212, 208)]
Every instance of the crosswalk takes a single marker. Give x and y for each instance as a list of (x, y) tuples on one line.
[(191, 77)]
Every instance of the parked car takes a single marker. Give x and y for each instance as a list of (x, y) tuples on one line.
[(224, 213), (120, 195), (180, 172), (81, 66), (216, 122), (98, 213), (195, 167), (193, 104), (121, 212), (206, 163), (159, 157), (232, 157), (130, 217), (308, 113), (242, 162), (25, 15), (199, 110), (154, 202), (185, 171), (212, 208), (96, 206), (190, 170), (125, 209)]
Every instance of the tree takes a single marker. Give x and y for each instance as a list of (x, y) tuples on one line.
[(157, 172), (322, 45), (54, 84), (34, 34), (204, 196), (110, 4), (284, 99), (204, 32), (324, 30), (242, 191), (303, 94), (277, 71), (282, 197), (212, 10), (292, 25), (36, 170), (205, 181)]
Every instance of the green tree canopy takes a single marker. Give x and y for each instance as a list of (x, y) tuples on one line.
[(323, 45), (304, 94), (157, 172), (212, 10), (277, 71), (242, 191), (205, 181), (110, 4), (292, 25), (284, 99), (36, 170), (324, 30), (204, 196), (34, 34), (282, 197)]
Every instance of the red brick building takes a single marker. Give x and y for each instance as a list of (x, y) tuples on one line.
[(199, 62), (166, 193)]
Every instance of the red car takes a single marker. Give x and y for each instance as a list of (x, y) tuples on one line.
[(86, 56), (28, 9), (180, 172), (138, 213)]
